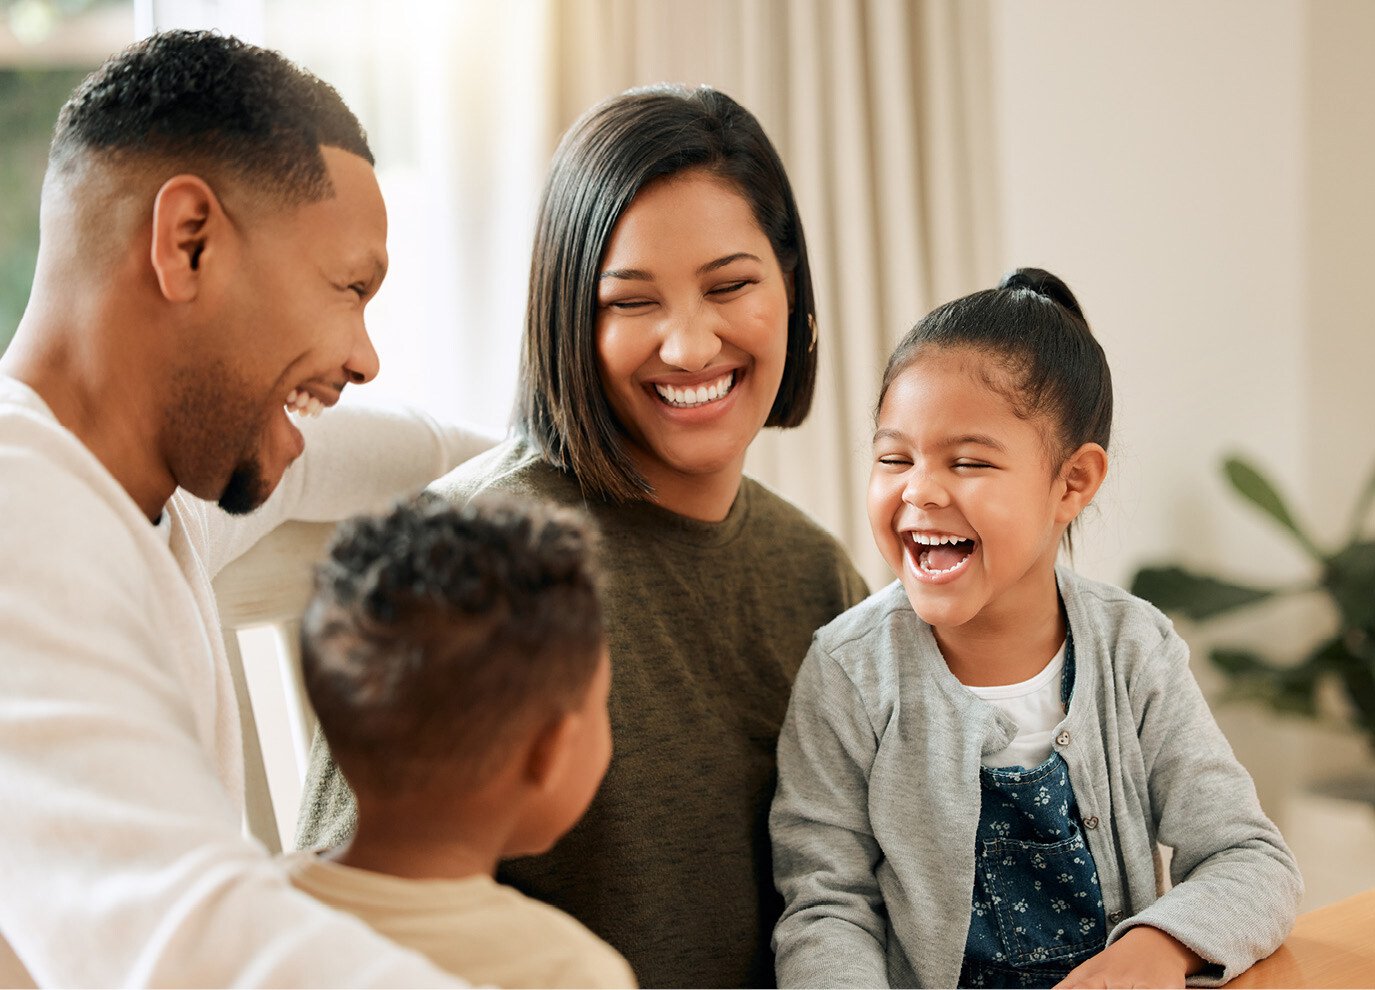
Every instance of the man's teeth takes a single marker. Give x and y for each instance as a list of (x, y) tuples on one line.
[(686, 398), (303, 403)]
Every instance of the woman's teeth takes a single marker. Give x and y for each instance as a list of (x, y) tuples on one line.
[(686, 398), (303, 403)]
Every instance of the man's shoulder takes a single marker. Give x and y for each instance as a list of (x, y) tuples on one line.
[(47, 472), (513, 467)]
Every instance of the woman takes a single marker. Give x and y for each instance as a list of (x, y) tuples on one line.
[(670, 318)]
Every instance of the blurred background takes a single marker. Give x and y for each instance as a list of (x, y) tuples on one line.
[(1200, 174)]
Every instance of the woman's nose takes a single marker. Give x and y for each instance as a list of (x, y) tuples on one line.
[(691, 343)]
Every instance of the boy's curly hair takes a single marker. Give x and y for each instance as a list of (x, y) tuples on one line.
[(438, 635)]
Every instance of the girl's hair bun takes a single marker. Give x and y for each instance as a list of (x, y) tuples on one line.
[(1043, 283)]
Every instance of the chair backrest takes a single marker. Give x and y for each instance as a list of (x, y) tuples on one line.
[(270, 586)]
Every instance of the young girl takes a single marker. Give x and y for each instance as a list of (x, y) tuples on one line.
[(979, 761)]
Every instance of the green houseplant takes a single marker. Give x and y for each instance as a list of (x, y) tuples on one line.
[(1346, 576)]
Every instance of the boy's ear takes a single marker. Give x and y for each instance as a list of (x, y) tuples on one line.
[(548, 752), (189, 230), (1082, 475)]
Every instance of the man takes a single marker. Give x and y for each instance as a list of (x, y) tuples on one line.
[(211, 231)]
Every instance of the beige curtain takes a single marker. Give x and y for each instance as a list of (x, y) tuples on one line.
[(881, 111)]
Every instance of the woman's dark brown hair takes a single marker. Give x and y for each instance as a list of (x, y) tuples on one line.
[(611, 153)]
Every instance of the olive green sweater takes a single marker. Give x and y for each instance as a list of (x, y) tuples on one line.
[(708, 623)]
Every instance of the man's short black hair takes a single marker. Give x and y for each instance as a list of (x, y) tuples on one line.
[(204, 102), (438, 635)]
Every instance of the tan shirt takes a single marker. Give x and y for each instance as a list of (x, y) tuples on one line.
[(490, 933)]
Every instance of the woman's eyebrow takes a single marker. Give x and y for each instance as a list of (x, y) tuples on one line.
[(640, 275), (628, 274), (711, 266)]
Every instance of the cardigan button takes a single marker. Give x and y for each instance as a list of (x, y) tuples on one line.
[(1063, 738), (1115, 917), (1091, 822)]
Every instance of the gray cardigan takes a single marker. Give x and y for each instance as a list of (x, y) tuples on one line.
[(878, 798)]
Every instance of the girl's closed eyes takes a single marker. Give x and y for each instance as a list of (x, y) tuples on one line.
[(979, 761)]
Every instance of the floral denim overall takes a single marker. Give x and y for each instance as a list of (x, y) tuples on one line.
[(1037, 905)]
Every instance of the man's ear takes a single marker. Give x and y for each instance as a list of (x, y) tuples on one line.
[(189, 228), (549, 750), (1082, 475)]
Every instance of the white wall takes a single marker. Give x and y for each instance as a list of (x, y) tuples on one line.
[(1152, 155), (1200, 175)]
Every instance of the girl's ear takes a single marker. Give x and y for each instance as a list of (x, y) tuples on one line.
[(188, 226), (1082, 475)]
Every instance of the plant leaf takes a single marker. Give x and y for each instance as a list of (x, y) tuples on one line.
[(1256, 489), (1195, 596), (1357, 674), (1349, 578), (1235, 662), (1362, 508), (1290, 690)]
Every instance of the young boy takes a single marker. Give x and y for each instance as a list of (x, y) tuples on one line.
[(456, 660)]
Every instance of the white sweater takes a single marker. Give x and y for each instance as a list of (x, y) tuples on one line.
[(122, 857)]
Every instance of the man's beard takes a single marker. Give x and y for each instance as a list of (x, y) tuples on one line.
[(245, 490), (208, 406)]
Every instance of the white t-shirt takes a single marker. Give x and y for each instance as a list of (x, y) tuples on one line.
[(1036, 707), (123, 861)]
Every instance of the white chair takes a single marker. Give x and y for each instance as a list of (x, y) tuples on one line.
[(270, 586)]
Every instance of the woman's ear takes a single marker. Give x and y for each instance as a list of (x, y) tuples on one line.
[(189, 226), (1081, 475)]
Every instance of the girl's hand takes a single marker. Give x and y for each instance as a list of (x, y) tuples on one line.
[(1143, 957)]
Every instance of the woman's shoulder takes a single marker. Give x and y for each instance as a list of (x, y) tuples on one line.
[(798, 541), (513, 467), (770, 511)]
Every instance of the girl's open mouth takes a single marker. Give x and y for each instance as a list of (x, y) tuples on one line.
[(938, 556)]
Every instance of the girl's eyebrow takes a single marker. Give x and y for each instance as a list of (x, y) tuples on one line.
[(969, 439), (978, 440)]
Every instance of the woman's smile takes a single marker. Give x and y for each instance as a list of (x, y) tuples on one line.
[(692, 334), (694, 396)]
